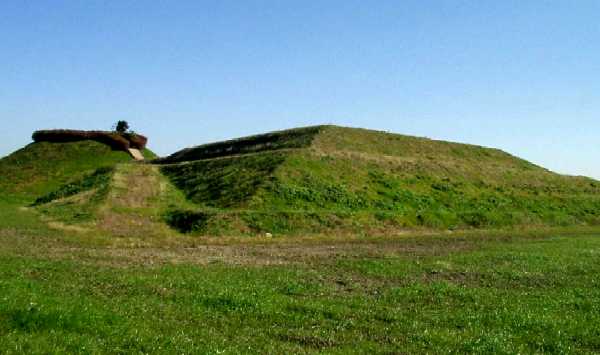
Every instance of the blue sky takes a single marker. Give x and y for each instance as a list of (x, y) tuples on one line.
[(523, 76)]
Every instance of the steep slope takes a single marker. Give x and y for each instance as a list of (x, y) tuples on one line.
[(280, 140), (327, 177), (43, 167)]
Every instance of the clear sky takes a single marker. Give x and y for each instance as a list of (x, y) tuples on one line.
[(522, 75)]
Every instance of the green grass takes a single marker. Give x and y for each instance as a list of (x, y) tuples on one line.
[(357, 180), (79, 200), (317, 179), (41, 168), (485, 293), (66, 182), (99, 179), (411, 199), (288, 139), (148, 154), (119, 200), (224, 182), (371, 282)]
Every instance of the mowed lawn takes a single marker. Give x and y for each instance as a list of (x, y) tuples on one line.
[(68, 291)]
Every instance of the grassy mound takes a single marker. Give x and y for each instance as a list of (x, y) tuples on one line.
[(344, 178), (308, 180), (43, 167)]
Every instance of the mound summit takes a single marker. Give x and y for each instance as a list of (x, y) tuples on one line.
[(305, 180)]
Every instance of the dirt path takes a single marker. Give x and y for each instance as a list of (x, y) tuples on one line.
[(130, 208), (136, 154)]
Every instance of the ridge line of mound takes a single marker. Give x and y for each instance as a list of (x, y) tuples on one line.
[(273, 141), (225, 157)]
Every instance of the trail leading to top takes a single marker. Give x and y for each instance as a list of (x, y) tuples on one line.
[(136, 154)]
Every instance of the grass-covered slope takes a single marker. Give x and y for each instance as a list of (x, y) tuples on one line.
[(79, 200), (127, 199), (288, 139), (366, 180), (227, 182), (40, 168)]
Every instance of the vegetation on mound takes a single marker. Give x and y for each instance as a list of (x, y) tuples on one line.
[(41, 168), (360, 180), (288, 139), (187, 221), (125, 199), (308, 180), (224, 182), (116, 140), (98, 180), (77, 201), (467, 292), (138, 199)]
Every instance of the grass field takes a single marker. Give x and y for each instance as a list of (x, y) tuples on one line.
[(378, 243), (64, 291)]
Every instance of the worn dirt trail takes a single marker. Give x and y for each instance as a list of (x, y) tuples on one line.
[(130, 208), (136, 154)]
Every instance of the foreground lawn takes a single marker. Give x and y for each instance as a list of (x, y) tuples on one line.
[(67, 292)]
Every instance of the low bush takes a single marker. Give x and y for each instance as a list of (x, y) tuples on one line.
[(136, 141), (114, 140), (187, 221)]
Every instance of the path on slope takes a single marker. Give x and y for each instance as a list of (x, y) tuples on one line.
[(136, 154), (131, 206)]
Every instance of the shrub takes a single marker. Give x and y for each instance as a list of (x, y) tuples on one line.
[(136, 140), (187, 221), (121, 127), (112, 139)]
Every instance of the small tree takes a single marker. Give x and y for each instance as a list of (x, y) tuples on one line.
[(122, 126)]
